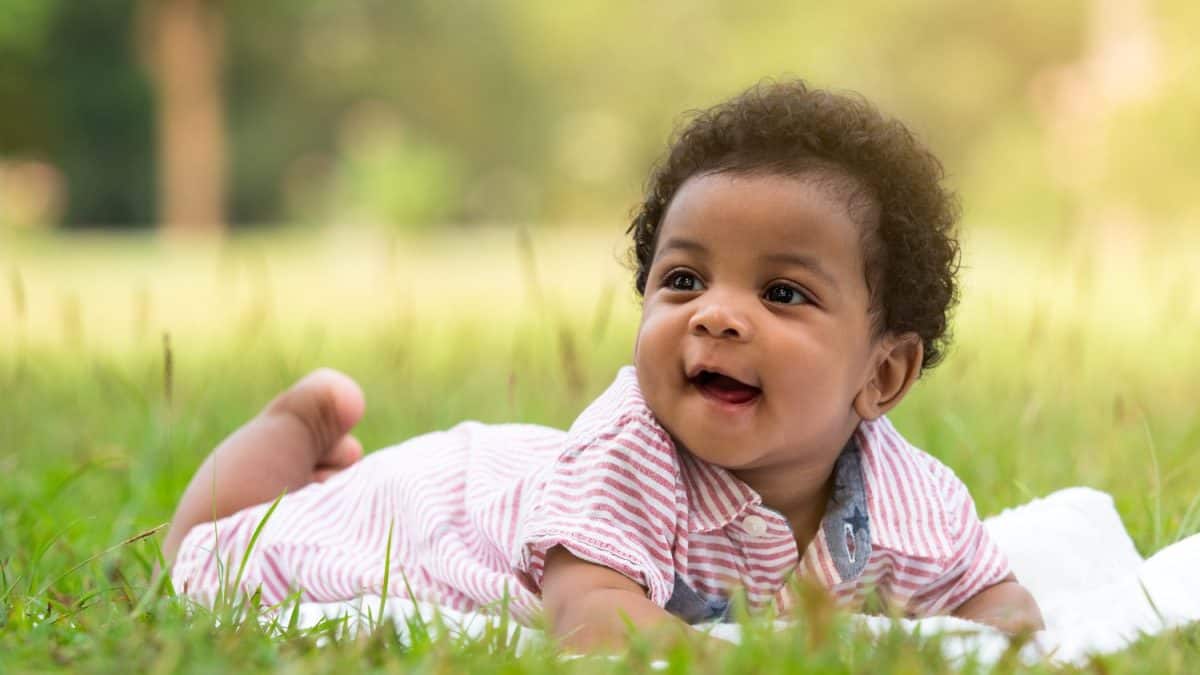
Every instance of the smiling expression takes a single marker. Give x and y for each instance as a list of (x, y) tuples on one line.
[(756, 336)]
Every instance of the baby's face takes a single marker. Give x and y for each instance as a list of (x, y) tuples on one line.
[(755, 336)]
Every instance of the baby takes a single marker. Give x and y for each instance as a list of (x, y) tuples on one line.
[(796, 257)]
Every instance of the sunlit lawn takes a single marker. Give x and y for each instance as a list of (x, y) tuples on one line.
[(1074, 363)]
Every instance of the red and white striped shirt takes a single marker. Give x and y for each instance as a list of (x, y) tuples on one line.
[(472, 512)]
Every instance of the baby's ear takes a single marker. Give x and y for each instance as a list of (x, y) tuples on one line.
[(896, 366)]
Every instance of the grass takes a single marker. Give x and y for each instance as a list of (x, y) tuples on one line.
[(1073, 364)]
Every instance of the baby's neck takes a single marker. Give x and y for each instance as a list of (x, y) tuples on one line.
[(799, 495)]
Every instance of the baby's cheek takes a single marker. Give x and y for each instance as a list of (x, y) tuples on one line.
[(649, 346)]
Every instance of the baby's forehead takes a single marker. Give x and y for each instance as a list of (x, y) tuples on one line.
[(849, 196), (836, 182), (763, 222)]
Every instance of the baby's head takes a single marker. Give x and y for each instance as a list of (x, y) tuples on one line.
[(796, 255)]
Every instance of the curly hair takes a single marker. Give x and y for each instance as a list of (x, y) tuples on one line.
[(910, 246)]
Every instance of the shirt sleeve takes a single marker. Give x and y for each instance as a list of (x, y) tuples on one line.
[(975, 562), (609, 499)]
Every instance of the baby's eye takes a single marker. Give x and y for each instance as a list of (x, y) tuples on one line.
[(785, 295), (681, 280)]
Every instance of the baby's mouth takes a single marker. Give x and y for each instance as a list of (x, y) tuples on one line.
[(724, 388)]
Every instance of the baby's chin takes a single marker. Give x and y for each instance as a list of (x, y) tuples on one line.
[(728, 456)]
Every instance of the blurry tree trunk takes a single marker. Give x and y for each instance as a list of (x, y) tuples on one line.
[(1120, 67), (186, 44)]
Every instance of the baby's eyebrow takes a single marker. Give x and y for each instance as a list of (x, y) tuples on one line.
[(682, 244), (799, 260)]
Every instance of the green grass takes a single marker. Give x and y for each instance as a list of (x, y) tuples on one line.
[(1074, 363)]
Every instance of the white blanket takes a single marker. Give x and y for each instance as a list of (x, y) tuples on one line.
[(1069, 549)]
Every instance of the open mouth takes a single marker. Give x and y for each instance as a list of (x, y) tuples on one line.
[(724, 388)]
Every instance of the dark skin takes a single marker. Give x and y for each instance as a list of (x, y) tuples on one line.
[(591, 608), (761, 277), (728, 317)]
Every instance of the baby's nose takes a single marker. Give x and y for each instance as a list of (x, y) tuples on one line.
[(720, 320)]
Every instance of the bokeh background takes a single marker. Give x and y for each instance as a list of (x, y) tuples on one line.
[(206, 115), (200, 201), (388, 186)]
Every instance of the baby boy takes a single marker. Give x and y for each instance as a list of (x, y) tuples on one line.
[(796, 259)]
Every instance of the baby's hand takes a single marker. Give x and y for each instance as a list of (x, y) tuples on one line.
[(1006, 605), (591, 607)]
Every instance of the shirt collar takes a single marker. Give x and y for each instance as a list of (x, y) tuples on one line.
[(847, 523), (716, 498)]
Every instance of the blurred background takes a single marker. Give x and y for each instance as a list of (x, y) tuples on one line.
[(205, 116), (200, 201)]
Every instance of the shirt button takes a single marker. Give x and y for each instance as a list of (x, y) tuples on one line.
[(755, 526)]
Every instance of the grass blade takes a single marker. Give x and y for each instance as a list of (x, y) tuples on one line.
[(387, 571), (135, 538), (1189, 524), (237, 579)]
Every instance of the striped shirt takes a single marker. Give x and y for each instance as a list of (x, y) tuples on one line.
[(471, 513)]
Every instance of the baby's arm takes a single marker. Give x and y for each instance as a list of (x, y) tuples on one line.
[(591, 607), (1006, 605)]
